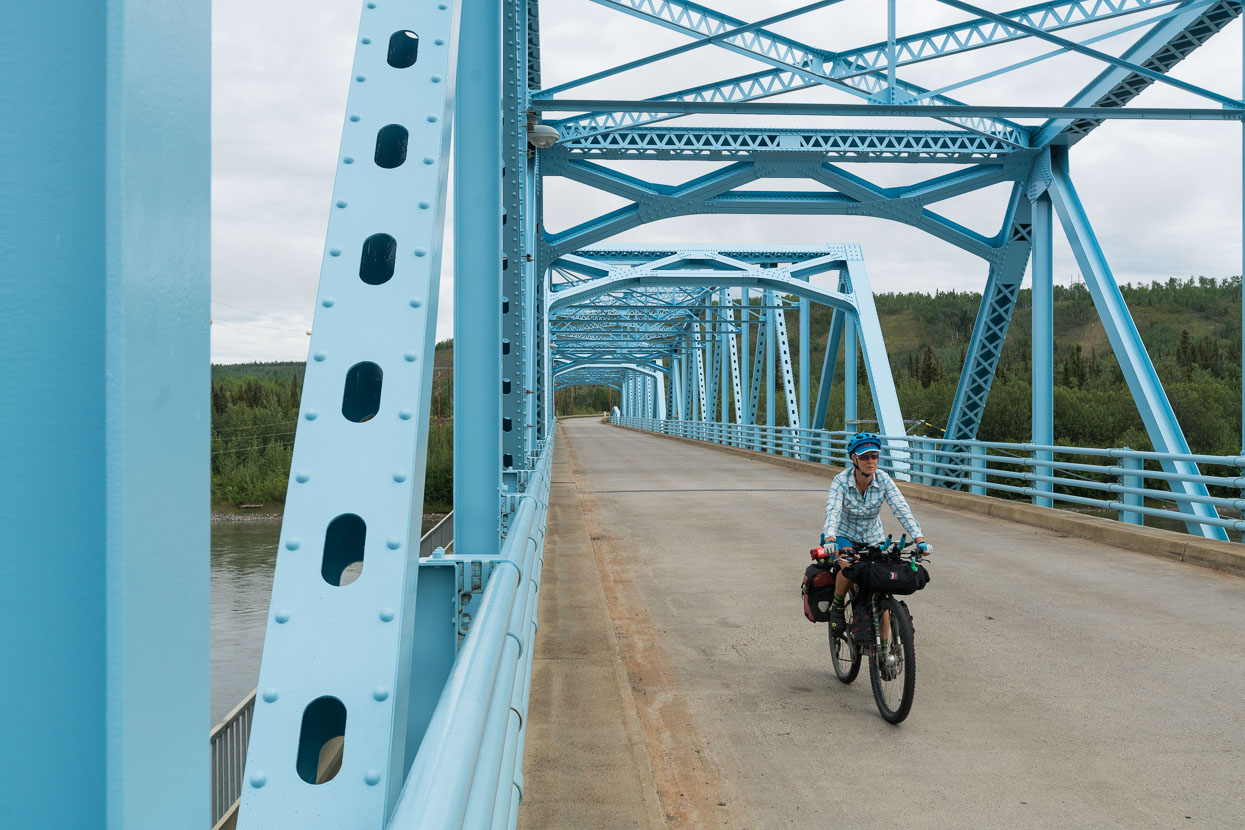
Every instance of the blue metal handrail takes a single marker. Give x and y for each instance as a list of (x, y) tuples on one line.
[(960, 462), (468, 770)]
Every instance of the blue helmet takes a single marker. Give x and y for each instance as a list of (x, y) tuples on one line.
[(863, 441)]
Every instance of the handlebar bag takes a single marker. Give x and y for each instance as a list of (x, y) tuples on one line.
[(888, 577), (818, 592)]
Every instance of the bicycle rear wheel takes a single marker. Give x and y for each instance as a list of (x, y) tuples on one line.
[(894, 680), (845, 654)]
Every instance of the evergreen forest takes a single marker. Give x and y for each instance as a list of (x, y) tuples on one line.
[(1191, 327)]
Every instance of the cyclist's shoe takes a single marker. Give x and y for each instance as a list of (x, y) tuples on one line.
[(838, 619)]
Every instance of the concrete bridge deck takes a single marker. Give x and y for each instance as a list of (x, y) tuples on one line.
[(1061, 682)]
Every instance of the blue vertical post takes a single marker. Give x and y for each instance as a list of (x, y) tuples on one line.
[(1043, 344), (363, 420), (978, 474), (849, 374), (518, 286), (745, 350), (724, 350), (1132, 499), (477, 281), (104, 311), (771, 338), (804, 363)]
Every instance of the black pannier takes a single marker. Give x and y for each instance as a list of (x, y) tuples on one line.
[(818, 591), (861, 627), (888, 576)]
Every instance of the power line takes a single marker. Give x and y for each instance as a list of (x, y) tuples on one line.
[(253, 447), (256, 426), (256, 435), (255, 324), (260, 313)]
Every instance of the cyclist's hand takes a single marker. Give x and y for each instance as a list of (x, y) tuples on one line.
[(924, 548)]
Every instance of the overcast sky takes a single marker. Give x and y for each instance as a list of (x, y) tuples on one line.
[(1164, 197)]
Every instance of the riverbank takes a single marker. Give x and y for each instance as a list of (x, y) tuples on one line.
[(264, 515)]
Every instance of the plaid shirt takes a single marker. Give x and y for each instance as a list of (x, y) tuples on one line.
[(855, 515)]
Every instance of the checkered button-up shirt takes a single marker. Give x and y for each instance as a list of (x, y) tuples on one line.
[(856, 515)]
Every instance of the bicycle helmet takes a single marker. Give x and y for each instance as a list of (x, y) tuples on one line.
[(862, 441)]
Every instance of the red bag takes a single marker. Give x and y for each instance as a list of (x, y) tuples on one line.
[(818, 590)]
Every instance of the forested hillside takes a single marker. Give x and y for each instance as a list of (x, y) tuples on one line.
[(1192, 329)]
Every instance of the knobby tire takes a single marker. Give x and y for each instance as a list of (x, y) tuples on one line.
[(884, 692), (845, 654)]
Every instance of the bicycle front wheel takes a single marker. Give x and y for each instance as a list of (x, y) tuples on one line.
[(844, 654), (893, 674)]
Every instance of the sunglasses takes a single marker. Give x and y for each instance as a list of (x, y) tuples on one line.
[(868, 456)]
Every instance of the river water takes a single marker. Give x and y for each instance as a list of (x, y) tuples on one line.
[(243, 556)]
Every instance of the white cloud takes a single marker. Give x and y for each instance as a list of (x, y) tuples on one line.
[(1164, 197)]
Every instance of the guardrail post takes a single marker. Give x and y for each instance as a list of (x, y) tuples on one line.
[(1132, 499), (1043, 470), (978, 473), (918, 461)]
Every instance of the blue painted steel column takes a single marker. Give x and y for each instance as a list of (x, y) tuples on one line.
[(724, 362), (104, 310), (804, 361), (518, 304), (1043, 344), (745, 343), (477, 281), (850, 384), (342, 654), (834, 340), (771, 338)]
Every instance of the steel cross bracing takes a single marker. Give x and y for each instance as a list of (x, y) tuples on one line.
[(610, 309), (857, 71), (689, 332), (989, 152)]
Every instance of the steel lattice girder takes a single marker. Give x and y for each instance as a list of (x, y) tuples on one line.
[(1170, 42), (861, 71), (804, 62), (719, 144)]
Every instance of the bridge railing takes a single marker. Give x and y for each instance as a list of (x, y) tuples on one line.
[(1118, 480), (229, 739), (440, 535), (468, 770)]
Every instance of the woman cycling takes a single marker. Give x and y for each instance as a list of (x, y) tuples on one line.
[(853, 506)]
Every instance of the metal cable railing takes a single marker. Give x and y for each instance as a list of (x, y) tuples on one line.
[(230, 737), (989, 467)]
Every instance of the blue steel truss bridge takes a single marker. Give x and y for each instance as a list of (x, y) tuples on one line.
[(401, 699)]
